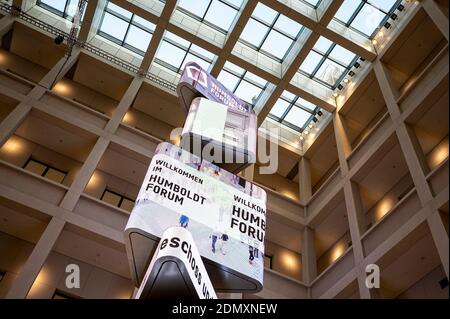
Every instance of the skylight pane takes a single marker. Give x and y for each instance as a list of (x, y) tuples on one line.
[(233, 67), (385, 5), (138, 38), (55, 4), (177, 39), (279, 108), (264, 13), (197, 7), (342, 55), (368, 20), (297, 117), (192, 58), (237, 3), (346, 10), (254, 32), (119, 10), (114, 26), (221, 15), (323, 45), (288, 26), (277, 44), (202, 52), (330, 72), (311, 62), (306, 104), (288, 95), (229, 80), (72, 7), (248, 92), (314, 3), (144, 23), (170, 54), (255, 78)]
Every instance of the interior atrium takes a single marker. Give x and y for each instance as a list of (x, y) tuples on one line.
[(351, 94)]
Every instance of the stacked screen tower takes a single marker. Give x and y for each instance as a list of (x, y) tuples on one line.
[(197, 227)]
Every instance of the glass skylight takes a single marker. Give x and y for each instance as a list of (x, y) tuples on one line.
[(328, 63), (174, 52), (218, 14), (62, 8), (270, 33), (313, 3), (365, 16), (244, 84), (293, 111), (126, 29)]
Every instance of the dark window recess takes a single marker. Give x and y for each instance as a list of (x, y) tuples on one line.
[(443, 283), (117, 199), (45, 170)]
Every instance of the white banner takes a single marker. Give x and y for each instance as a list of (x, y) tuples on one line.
[(178, 242), (225, 214)]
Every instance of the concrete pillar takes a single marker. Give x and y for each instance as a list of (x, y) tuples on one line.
[(124, 104), (356, 217), (304, 180), (356, 221), (93, 9), (438, 17), (60, 69), (388, 89), (408, 141), (440, 238), (30, 270), (343, 145), (9, 125), (309, 258), (76, 189), (6, 24)]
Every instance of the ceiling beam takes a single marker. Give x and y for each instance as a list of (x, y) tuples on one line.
[(93, 8), (233, 36), (161, 26)]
